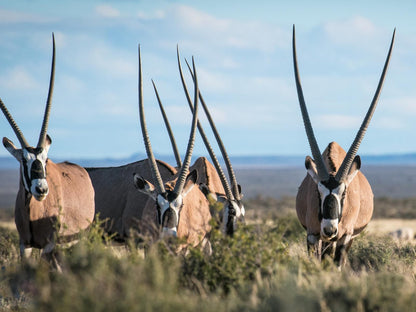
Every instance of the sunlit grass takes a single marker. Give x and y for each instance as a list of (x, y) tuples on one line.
[(264, 267)]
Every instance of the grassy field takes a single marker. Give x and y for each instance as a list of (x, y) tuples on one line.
[(264, 267)]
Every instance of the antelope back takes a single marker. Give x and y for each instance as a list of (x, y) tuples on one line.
[(117, 199), (207, 175)]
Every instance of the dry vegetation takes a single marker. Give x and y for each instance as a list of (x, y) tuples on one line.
[(264, 267)]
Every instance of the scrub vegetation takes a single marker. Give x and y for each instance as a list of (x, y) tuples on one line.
[(264, 267)]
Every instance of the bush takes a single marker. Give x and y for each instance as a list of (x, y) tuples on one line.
[(263, 267)]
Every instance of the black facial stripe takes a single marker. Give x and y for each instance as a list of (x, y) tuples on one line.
[(319, 204), (231, 210), (36, 171), (169, 218), (171, 196), (230, 225), (331, 183), (330, 207), (26, 173)]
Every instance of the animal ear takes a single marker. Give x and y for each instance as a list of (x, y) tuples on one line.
[(355, 167), (190, 182), (144, 186), (239, 191), (16, 152), (204, 189), (207, 192), (311, 168), (48, 143)]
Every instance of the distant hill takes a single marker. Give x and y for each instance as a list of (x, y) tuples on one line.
[(8, 162)]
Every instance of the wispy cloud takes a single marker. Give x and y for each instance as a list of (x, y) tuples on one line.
[(15, 17), (234, 34), (18, 79), (335, 121), (244, 65), (345, 32), (107, 11)]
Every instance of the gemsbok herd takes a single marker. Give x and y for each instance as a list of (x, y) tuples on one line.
[(152, 198)]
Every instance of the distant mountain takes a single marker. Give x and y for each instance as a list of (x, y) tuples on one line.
[(7, 162)]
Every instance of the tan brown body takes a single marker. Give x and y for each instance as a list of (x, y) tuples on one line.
[(208, 175), (358, 204), (116, 198), (66, 210), (195, 215), (119, 202)]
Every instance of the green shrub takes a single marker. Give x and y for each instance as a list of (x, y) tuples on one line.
[(264, 267)]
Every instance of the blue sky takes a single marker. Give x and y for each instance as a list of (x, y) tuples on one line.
[(244, 62)]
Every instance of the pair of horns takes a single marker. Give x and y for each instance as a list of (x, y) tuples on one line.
[(187, 160), (44, 129), (233, 191), (342, 172)]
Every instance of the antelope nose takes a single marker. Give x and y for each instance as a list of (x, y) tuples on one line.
[(41, 190), (330, 231)]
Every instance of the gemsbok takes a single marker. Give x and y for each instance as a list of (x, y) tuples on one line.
[(126, 209), (54, 201), (335, 201), (211, 178), (230, 196), (179, 208)]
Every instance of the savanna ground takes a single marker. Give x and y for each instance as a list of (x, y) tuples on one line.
[(264, 267)]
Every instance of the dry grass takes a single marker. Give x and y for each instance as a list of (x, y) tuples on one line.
[(384, 226), (264, 267)]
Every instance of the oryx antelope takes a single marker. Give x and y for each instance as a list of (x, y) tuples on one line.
[(119, 202), (211, 180), (54, 201), (335, 201), (182, 210), (230, 196)]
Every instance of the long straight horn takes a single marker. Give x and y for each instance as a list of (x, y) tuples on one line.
[(169, 129), (224, 153), (210, 150), (320, 165), (14, 126), (151, 158), (44, 129), (346, 164), (187, 160)]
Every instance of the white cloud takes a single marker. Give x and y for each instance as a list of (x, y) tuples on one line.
[(405, 105), (18, 78), (105, 58), (234, 34), (156, 15), (335, 121), (198, 20), (15, 17), (353, 31), (391, 123), (107, 11), (71, 84)]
